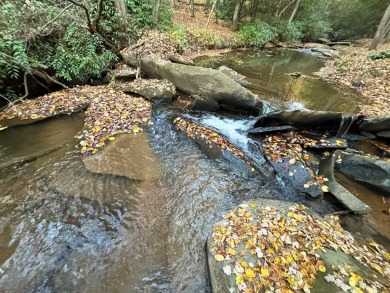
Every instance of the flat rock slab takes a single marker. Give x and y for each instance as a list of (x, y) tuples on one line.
[(260, 130), (241, 79), (301, 118), (128, 155), (375, 124), (124, 72), (373, 172), (297, 177), (210, 88), (350, 201), (152, 89)]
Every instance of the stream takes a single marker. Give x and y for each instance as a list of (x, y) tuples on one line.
[(65, 229)]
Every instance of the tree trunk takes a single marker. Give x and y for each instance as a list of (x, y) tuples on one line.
[(216, 11), (207, 6), (192, 8), (211, 12), (236, 15), (294, 11), (157, 11), (254, 10), (381, 31), (122, 9)]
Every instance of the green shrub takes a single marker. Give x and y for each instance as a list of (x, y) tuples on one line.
[(205, 38), (179, 34), (256, 34), (289, 31), (81, 55), (380, 55)]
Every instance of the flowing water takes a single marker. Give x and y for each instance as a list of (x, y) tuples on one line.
[(65, 229)]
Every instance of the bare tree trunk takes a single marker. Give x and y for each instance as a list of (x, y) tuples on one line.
[(284, 9), (211, 12), (122, 9), (156, 11), (236, 15), (192, 8), (381, 31), (207, 6), (216, 11), (294, 11), (278, 8), (254, 10)]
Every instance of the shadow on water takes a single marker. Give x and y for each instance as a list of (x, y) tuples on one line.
[(267, 72)]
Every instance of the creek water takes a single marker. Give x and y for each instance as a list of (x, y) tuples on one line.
[(65, 229)]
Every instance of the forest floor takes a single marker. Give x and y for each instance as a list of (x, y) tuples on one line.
[(355, 69)]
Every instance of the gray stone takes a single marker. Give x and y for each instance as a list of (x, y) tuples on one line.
[(260, 130), (128, 155), (210, 88), (152, 89), (343, 195), (304, 118), (369, 171), (383, 134), (375, 124), (241, 79), (181, 60), (123, 73)]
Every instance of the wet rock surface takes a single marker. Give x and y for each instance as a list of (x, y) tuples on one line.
[(234, 75), (373, 172), (350, 201)]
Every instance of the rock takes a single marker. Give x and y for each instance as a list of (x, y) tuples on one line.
[(325, 52), (297, 177), (241, 79), (222, 273), (301, 118), (269, 45), (123, 72), (152, 89), (332, 44), (128, 155), (210, 88), (324, 40), (316, 45), (181, 60), (383, 134), (343, 195), (260, 130), (373, 172), (375, 124)]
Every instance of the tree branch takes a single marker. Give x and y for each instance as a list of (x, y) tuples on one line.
[(55, 18), (285, 8), (98, 14), (82, 6)]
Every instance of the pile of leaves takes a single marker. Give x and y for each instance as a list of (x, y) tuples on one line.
[(152, 42), (61, 102), (268, 251), (111, 112), (356, 69), (210, 137)]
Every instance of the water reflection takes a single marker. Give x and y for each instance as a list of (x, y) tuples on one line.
[(271, 76)]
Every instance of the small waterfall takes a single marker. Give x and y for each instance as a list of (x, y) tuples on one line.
[(345, 124)]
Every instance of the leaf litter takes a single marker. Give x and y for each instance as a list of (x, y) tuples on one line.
[(269, 252)]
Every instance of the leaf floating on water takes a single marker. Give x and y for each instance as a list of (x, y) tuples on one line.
[(3, 127), (136, 129), (325, 188), (34, 116), (111, 138), (291, 161)]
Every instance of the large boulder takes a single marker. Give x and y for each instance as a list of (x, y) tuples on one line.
[(373, 172), (379, 125), (210, 88)]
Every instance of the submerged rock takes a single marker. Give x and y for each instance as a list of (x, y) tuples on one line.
[(343, 195), (373, 172), (128, 155), (210, 88)]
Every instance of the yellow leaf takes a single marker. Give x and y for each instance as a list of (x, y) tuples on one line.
[(325, 188), (239, 279), (281, 223), (322, 268), (95, 151), (387, 256), (249, 273), (264, 272), (136, 129), (378, 268), (3, 127), (34, 116), (231, 251), (252, 169), (219, 257), (111, 138), (252, 205), (231, 242)]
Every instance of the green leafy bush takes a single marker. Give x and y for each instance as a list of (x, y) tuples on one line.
[(288, 31), (380, 55), (81, 55), (205, 38), (256, 34), (179, 34)]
